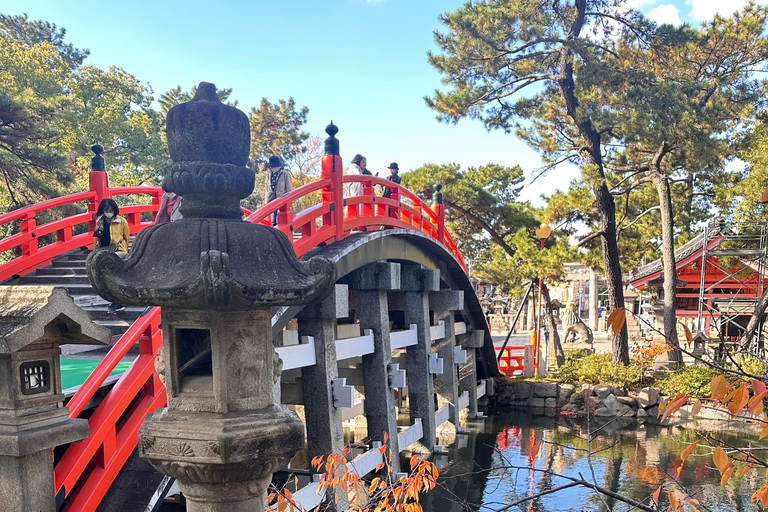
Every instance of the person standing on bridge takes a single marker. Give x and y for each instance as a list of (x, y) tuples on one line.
[(393, 177), (354, 189), (363, 167), (111, 231), (279, 182)]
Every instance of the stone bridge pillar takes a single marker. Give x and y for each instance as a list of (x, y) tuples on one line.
[(417, 283), (444, 303), (325, 433), (372, 283), (470, 341)]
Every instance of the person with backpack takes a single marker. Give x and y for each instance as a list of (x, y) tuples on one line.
[(278, 182)]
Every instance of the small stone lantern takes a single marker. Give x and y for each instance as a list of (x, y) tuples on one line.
[(216, 278), (34, 322)]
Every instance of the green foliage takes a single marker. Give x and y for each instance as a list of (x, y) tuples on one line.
[(693, 380), (598, 369), (276, 130)]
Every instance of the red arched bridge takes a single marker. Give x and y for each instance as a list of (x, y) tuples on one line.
[(429, 294)]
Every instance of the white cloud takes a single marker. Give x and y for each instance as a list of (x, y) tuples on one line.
[(704, 10), (665, 13)]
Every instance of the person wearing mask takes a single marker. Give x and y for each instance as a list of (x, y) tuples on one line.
[(169, 207), (393, 177), (354, 189), (279, 182), (111, 231)]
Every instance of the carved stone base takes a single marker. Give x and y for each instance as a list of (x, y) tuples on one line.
[(221, 461)]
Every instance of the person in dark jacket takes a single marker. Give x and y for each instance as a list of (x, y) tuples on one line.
[(393, 177)]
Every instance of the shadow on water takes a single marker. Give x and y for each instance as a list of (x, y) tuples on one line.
[(491, 466)]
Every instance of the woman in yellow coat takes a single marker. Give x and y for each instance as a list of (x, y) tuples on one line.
[(111, 231)]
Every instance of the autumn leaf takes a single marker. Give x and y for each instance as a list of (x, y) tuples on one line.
[(749, 466), (763, 433), (717, 387), (740, 399), (696, 408), (674, 406), (616, 320), (687, 452), (727, 475), (720, 459), (535, 450), (688, 335), (655, 496), (757, 399), (758, 386)]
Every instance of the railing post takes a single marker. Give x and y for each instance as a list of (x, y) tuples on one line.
[(333, 170), (28, 224), (98, 180), (439, 209)]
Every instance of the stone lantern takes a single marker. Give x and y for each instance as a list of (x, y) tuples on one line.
[(34, 322), (216, 278)]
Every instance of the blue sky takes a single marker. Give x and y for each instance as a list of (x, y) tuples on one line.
[(362, 64)]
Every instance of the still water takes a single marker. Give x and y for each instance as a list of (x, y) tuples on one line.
[(492, 466)]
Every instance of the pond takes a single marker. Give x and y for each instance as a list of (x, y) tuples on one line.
[(494, 465)]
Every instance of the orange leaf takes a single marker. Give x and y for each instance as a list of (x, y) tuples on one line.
[(758, 410), (758, 386), (720, 459), (414, 461), (732, 390), (673, 503), (674, 406), (688, 335), (616, 320), (740, 399), (757, 399), (717, 387), (763, 433), (535, 449), (386, 436), (655, 496), (696, 408), (687, 452), (749, 466), (727, 475)]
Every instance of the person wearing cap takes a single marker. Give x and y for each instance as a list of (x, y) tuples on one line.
[(394, 177), (278, 182)]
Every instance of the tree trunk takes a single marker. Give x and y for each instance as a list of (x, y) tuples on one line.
[(554, 336), (669, 270), (592, 160)]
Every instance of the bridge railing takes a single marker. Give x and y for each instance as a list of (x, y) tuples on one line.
[(25, 242), (335, 216), (86, 469)]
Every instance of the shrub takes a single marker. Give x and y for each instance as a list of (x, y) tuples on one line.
[(692, 380), (750, 365), (599, 369)]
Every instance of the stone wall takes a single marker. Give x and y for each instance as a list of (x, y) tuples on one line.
[(551, 398)]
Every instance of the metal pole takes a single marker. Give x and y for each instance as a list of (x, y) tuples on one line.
[(539, 323), (703, 274)]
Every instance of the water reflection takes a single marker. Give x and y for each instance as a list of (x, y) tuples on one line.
[(628, 458)]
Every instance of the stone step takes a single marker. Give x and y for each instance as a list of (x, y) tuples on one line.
[(77, 256), (117, 326), (77, 288), (54, 280), (69, 263), (130, 314), (60, 271)]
